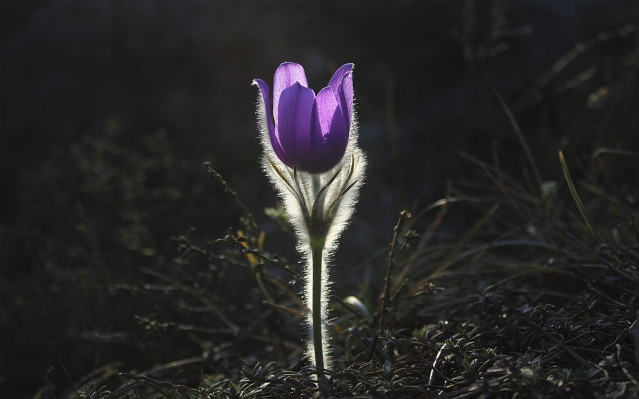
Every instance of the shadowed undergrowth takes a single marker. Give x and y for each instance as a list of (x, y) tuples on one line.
[(514, 284), (537, 297)]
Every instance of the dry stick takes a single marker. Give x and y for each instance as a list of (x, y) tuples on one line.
[(429, 233), (403, 216), (250, 223)]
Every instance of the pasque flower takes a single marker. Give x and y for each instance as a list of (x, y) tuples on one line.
[(307, 131), (312, 158)]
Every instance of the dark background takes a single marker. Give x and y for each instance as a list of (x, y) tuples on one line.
[(109, 108)]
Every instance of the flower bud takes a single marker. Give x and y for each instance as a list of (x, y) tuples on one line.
[(308, 132)]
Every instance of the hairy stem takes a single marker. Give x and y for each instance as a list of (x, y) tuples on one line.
[(316, 301)]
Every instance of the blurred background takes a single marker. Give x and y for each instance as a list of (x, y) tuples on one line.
[(109, 108)]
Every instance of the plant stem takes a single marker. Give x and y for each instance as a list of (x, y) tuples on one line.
[(403, 216), (316, 300)]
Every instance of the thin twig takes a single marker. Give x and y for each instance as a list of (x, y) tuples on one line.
[(64, 369), (248, 217), (403, 216)]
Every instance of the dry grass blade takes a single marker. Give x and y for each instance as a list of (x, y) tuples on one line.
[(520, 135), (575, 196), (481, 223), (294, 312), (615, 151)]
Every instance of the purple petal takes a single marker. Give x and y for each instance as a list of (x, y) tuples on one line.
[(329, 133), (346, 97), (266, 102), (325, 106), (294, 122), (338, 76), (285, 76)]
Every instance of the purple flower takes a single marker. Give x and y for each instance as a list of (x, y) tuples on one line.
[(307, 131)]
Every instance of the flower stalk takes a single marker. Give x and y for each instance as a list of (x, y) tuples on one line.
[(311, 157), (317, 310)]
